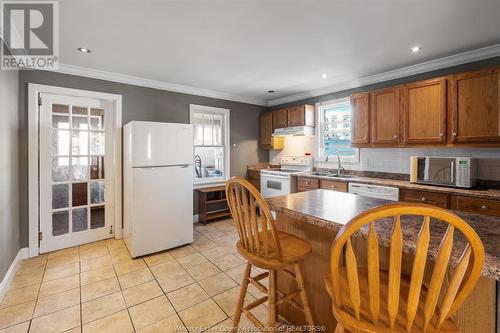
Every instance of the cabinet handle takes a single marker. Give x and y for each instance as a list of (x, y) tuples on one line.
[(333, 186), (454, 133), (441, 134), (395, 136), (423, 199), (484, 207), (307, 183), (364, 138)]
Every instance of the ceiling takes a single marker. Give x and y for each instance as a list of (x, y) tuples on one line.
[(245, 48)]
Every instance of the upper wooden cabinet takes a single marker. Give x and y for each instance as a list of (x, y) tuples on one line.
[(266, 139), (280, 118), (385, 110), (266, 129), (476, 107), (300, 115), (424, 105), (360, 121)]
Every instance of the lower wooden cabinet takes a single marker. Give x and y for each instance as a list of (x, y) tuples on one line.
[(307, 184), (475, 205), (333, 185), (253, 176), (432, 198)]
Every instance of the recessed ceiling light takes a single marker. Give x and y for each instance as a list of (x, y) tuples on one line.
[(415, 49), (270, 91), (324, 76), (84, 50)]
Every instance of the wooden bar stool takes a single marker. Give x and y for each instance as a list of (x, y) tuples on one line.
[(264, 247), (374, 300)]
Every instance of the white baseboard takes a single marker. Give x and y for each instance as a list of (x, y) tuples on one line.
[(196, 218), (7, 279)]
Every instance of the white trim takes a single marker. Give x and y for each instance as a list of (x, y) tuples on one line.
[(203, 182), (321, 159), (453, 60), (196, 218), (33, 153), (7, 279), (162, 85)]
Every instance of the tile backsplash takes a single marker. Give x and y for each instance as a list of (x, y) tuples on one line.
[(394, 160)]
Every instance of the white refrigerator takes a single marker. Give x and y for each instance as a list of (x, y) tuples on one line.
[(158, 186)]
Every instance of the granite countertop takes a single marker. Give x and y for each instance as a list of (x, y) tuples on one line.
[(478, 193), (332, 210)]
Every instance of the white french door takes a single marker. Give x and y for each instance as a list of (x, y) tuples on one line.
[(76, 177)]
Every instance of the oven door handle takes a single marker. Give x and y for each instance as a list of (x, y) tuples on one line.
[(271, 177)]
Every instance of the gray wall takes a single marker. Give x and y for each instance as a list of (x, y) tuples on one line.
[(441, 72), (141, 103), (9, 169)]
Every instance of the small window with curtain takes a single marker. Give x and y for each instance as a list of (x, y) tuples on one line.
[(334, 130), (211, 143)]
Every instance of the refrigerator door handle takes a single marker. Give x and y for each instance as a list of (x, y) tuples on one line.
[(151, 167)]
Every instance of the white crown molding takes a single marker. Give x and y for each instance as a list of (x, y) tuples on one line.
[(161, 85), (453, 60)]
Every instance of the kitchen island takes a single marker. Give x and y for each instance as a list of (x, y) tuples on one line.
[(318, 215)]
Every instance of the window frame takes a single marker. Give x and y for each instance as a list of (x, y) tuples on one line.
[(225, 136), (320, 131)]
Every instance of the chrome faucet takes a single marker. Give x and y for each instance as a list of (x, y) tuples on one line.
[(339, 165)]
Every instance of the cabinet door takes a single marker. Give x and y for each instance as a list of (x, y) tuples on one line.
[(266, 130), (360, 129), (280, 118), (475, 108), (425, 111), (385, 114), (297, 116)]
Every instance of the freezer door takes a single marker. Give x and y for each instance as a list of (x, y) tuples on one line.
[(162, 214), (158, 144)]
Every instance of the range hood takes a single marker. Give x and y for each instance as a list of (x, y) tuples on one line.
[(294, 131)]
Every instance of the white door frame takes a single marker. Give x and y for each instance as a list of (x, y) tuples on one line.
[(33, 155)]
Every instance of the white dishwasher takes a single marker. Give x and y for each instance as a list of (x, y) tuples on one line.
[(375, 191)]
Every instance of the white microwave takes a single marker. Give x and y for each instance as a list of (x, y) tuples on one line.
[(444, 171)]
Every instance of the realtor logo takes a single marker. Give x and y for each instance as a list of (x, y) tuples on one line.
[(30, 34)]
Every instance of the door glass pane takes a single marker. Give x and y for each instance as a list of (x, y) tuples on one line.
[(97, 143), (61, 122), (60, 196), (60, 142), (79, 168), (57, 108), (97, 217), (80, 122), (79, 142), (97, 192), (80, 110), (60, 169), (79, 219), (79, 194), (96, 119), (60, 223), (97, 167)]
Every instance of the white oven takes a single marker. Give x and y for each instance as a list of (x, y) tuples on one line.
[(272, 185), (275, 182)]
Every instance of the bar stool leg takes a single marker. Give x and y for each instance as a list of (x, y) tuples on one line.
[(273, 314), (339, 329), (241, 300), (303, 295)]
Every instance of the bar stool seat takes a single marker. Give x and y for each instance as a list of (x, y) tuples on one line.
[(365, 312), (293, 249)]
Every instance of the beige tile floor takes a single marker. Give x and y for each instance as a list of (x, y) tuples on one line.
[(97, 287)]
